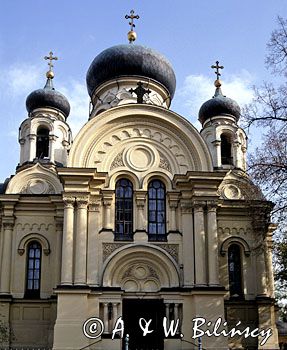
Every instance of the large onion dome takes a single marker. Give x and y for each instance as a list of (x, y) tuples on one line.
[(130, 60), (48, 97), (219, 105)]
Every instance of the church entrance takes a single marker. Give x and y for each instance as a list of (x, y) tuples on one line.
[(133, 310)]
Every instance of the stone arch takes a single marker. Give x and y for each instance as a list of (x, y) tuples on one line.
[(142, 268), (35, 180), (99, 141), (34, 237), (159, 176), (123, 174), (230, 240)]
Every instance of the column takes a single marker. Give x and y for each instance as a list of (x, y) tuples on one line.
[(8, 225), (22, 150), (59, 238), (140, 202), (236, 154), (115, 313), (217, 146), (173, 204), (52, 141), (94, 225), (212, 246), (81, 241), (68, 238), (268, 258), (199, 244), (32, 148), (176, 316), (261, 272), (167, 312), (188, 248), (106, 317), (107, 201)]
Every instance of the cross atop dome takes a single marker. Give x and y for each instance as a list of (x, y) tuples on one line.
[(132, 34), (50, 73)]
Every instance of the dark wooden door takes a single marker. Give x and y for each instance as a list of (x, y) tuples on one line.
[(153, 309)]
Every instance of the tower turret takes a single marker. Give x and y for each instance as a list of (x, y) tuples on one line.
[(45, 135), (219, 117)]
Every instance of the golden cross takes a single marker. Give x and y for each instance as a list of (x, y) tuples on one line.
[(51, 58), (132, 17), (217, 67)]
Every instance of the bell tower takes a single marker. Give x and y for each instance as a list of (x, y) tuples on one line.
[(45, 136), (219, 117)]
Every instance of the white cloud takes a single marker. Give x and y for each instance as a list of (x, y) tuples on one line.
[(199, 88), (21, 79)]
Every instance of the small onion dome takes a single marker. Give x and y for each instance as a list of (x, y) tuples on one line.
[(218, 105), (48, 97), (130, 60)]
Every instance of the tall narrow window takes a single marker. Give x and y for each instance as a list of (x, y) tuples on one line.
[(156, 210), (42, 147), (33, 270), (124, 209), (234, 269), (226, 154)]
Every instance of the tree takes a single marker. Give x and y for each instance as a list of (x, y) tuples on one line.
[(268, 164)]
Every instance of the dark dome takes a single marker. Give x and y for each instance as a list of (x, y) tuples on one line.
[(218, 105), (48, 97), (130, 60)]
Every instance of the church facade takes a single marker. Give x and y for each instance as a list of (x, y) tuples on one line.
[(141, 216)]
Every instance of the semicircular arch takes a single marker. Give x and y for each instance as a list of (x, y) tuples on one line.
[(140, 267), (105, 142)]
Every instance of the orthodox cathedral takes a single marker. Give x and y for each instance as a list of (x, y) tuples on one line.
[(140, 218)]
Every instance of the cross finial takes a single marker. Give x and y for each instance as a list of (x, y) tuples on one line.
[(50, 63), (132, 34), (217, 67), (132, 16), (140, 91)]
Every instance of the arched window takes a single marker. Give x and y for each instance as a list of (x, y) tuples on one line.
[(124, 209), (156, 210), (42, 147), (234, 269), (33, 273), (226, 153)]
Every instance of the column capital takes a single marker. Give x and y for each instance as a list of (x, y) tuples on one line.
[(198, 205), (94, 203), (140, 198), (69, 201), (8, 223), (186, 206), (107, 196), (173, 198), (82, 202), (212, 205), (216, 142)]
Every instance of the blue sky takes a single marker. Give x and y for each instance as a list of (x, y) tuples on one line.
[(191, 34)]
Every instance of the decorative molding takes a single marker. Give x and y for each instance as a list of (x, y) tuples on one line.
[(34, 226), (109, 248), (230, 240), (234, 230), (31, 237), (171, 249), (118, 161), (164, 163)]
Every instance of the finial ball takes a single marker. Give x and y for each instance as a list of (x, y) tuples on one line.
[(217, 83), (50, 74), (132, 35)]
